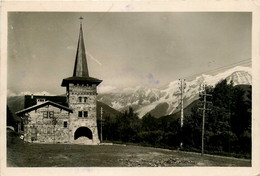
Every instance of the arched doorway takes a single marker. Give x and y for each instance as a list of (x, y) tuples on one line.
[(83, 131)]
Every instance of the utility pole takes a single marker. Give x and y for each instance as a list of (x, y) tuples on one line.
[(204, 109), (182, 87), (101, 124)]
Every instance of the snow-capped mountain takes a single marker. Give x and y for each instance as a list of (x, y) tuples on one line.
[(138, 97), (12, 94), (160, 102), (240, 77)]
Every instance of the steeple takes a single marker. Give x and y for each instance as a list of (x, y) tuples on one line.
[(80, 72), (80, 66)]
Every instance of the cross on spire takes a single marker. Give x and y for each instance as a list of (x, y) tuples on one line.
[(81, 19)]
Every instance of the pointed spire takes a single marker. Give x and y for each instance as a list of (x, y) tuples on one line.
[(80, 73), (81, 66)]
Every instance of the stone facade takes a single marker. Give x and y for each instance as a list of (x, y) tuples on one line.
[(83, 99), (48, 125)]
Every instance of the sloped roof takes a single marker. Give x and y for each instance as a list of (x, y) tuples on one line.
[(19, 113), (80, 66), (80, 72), (82, 80)]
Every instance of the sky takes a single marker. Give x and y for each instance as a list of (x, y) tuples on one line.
[(124, 49)]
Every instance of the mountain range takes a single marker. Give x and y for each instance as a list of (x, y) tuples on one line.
[(157, 102), (165, 101)]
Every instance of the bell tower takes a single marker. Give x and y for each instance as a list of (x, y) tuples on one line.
[(82, 98)]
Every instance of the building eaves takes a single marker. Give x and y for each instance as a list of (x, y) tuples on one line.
[(42, 105)]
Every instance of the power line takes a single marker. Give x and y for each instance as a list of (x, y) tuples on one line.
[(215, 70), (242, 62), (215, 77)]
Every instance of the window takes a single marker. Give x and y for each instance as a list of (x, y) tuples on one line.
[(45, 114), (80, 114), (80, 99), (85, 113), (39, 101), (85, 99), (51, 114), (65, 124), (49, 130)]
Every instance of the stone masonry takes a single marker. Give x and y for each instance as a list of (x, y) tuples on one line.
[(83, 98), (40, 127)]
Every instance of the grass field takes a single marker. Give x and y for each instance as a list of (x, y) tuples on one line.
[(20, 154)]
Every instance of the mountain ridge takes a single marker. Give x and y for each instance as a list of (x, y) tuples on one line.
[(165, 101), (161, 102)]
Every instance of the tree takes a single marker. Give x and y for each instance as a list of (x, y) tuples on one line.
[(227, 124), (10, 118), (127, 126), (149, 123)]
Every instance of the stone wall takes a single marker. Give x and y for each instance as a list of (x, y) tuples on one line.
[(45, 130), (42, 129), (90, 93)]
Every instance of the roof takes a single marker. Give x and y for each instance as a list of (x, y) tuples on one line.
[(81, 67), (42, 105), (82, 80), (80, 72), (30, 100)]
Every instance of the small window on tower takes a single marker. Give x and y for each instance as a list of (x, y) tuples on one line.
[(65, 124), (85, 113), (49, 130), (80, 99), (85, 99), (80, 114)]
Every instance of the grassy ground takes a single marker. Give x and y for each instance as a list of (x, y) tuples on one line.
[(22, 154)]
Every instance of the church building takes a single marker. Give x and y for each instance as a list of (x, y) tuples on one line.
[(68, 119)]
